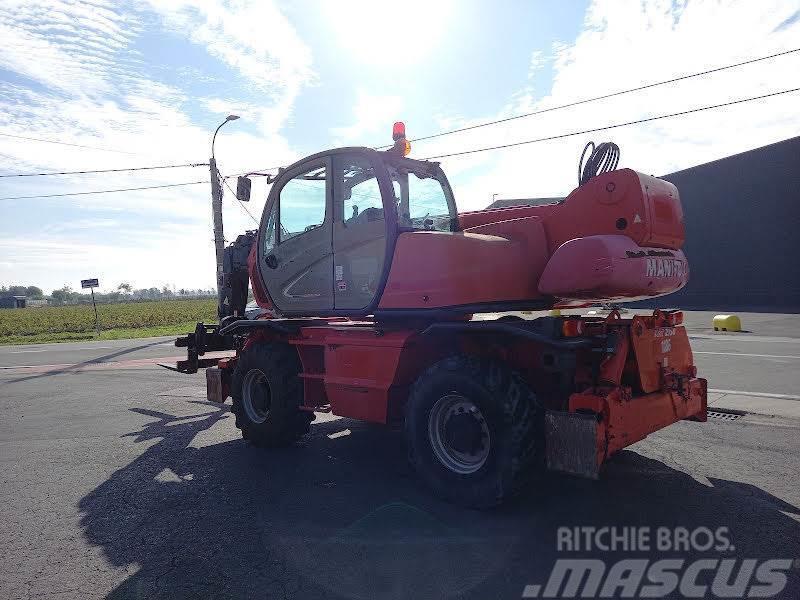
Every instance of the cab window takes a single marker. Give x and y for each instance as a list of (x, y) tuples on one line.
[(422, 200), (359, 192), (302, 203)]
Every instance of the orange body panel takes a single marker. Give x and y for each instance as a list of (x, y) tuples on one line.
[(501, 255), (497, 261), (359, 371), (596, 207), (627, 420)]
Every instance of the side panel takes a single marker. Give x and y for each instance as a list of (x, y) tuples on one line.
[(497, 263), (363, 372)]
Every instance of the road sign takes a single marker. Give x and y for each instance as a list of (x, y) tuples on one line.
[(91, 284)]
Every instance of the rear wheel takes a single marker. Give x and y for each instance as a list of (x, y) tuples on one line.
[(474, 430), (267, 394)]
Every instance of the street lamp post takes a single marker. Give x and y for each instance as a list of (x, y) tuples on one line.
[(216, 208)]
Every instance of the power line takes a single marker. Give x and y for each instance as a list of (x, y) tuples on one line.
[(244, 208), (614, 126), (34, 139), (105, 170), (596, 98), (259, 171), (132, 189)]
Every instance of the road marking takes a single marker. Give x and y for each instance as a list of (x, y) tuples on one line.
[(25, 351), (64, 349), (743, 354), (741, 338), (756, 394)]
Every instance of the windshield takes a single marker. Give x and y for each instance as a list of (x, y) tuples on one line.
[(423, 197)]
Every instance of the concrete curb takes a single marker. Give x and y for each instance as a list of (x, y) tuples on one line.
[(761, 404)]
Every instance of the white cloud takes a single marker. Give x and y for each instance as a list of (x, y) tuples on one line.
[(626, 44), (373, 114), (254, 38), (81, 78)]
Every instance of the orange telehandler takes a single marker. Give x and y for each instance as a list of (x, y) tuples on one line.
[(369, 279)]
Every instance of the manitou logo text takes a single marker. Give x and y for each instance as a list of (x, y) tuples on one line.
[(664, 267)]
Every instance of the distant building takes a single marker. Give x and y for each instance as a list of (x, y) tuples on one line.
[(509, 202), (13, 302), (741, 215)]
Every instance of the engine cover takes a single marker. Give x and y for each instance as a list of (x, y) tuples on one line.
[(612, 267)]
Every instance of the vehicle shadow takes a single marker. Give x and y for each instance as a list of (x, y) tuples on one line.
[(340, 515)]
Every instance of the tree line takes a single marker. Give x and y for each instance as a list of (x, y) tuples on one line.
[(125, 292)]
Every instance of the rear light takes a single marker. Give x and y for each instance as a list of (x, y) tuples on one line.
[(572, 327)]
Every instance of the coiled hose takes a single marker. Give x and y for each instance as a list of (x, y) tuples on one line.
[(603, 158)]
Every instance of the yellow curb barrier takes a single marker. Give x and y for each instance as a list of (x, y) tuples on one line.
[(727, 323)]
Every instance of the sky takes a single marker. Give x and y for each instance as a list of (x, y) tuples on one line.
[(144, 83)]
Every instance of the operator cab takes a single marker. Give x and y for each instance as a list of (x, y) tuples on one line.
[(331, 220)]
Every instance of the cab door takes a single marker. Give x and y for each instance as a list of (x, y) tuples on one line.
[(362, 215), (295, 253)]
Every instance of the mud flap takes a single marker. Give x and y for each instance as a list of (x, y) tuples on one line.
[(214, 385), (571, 443)]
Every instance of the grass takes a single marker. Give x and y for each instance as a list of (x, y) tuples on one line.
[(117, 321)]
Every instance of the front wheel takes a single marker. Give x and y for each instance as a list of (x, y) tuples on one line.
[(474, 430), (267, 394)]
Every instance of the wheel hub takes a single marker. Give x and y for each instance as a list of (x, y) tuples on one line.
[(459, 434), (256, 396), (463, 432)]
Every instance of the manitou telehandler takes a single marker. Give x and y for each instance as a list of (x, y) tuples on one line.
[(369, 279)]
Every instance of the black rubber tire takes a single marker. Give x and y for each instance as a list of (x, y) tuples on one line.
[(512, 414), (285, 423)]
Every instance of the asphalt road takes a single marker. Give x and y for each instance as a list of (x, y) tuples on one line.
[(765, 361), (118, 480)]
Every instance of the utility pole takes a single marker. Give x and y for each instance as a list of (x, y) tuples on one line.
[(216, 209)]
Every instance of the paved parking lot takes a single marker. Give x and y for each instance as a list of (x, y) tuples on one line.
[(118, 479)]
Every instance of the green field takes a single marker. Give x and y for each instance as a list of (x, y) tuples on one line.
[(117, 321)]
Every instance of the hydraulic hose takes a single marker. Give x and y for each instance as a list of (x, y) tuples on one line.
[(603, 158)]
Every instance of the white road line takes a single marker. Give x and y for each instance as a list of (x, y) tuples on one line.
[(757, 394), (64, 349), (762, 339), (743, 354)]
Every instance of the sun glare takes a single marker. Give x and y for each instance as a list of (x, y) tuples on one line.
[(389, 33)]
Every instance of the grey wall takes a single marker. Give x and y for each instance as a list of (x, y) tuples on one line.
[(742, 216)]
